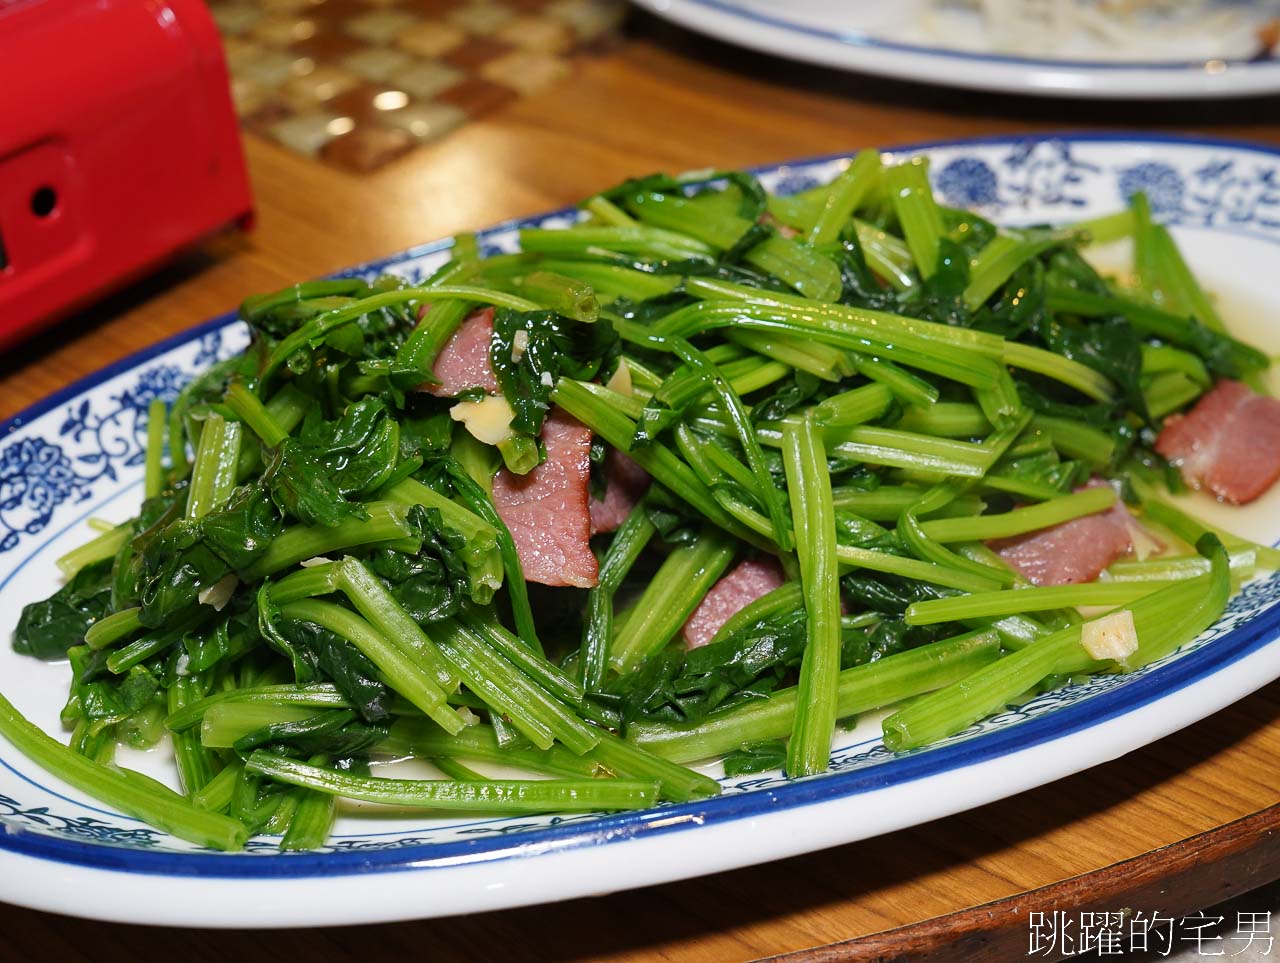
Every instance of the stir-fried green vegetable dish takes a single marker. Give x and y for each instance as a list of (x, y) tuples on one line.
[(867, 387)]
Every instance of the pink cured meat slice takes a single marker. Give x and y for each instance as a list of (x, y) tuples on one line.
[(626, 484), (463, 362), (546, 510), (1229, 443), (734, 592), (1073, 552)]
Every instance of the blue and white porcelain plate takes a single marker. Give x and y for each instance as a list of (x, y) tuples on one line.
[(78, 455), (1218, 52)]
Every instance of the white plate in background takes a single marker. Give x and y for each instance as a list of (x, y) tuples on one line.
[(909, 40)]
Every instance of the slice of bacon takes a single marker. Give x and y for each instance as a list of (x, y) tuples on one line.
[(463, 362), (1229, 443), (547, 509), (734, 592), (1074, 551), (626, 482)]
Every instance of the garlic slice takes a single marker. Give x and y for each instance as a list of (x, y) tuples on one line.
[(620, 380), (1110, 637), (219, 593), (488, 420)]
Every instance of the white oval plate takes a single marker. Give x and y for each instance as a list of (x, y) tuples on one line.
[(891, 39), (77, 455)]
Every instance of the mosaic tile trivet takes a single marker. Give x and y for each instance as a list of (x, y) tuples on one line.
[(359, 83)]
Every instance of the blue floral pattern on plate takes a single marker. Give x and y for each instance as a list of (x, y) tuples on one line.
[(1046, 174)]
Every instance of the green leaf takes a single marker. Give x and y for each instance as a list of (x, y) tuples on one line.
[(555, 347), (756, 757), (359, 450), (48, 628), (319, 654), (301, 488)]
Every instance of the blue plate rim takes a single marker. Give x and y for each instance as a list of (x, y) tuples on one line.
[(1165, 680)]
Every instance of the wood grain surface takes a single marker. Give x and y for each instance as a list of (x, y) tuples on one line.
[(665, 100), (1180, 879)]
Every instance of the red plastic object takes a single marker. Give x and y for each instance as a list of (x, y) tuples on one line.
[(118, 148)]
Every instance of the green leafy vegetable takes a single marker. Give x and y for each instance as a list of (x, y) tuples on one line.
[(328, 570)]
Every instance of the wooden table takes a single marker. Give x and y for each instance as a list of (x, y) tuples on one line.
[(664, 100)]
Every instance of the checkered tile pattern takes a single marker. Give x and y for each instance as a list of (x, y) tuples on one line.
[(359, 83)]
